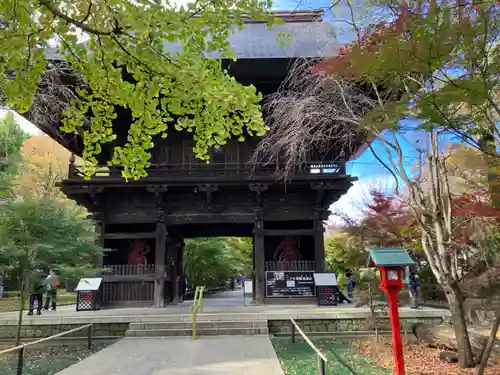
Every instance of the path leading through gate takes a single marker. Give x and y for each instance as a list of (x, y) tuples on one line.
[(222, 355)]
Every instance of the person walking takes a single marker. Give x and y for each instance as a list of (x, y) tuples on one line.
[(415, 291), (351, 283), (36, 288), (52, 285)]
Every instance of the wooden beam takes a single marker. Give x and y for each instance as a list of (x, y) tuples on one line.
[(284, 232), (129, 236)]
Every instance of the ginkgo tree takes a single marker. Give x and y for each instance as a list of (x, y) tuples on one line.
[(149, 57), (11, 140), (44, 165)]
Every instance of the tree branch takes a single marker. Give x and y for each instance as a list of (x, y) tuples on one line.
[(81, 25)]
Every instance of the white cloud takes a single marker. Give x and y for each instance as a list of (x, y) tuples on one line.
[(26, 125), (352, 203)]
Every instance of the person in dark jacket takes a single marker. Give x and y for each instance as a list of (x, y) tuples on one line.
[(36, 288), (414, 290), (351, 282)]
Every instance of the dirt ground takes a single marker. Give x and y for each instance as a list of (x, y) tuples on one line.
[(419, 359)]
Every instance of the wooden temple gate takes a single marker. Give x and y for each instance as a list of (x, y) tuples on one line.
[(183, 197)]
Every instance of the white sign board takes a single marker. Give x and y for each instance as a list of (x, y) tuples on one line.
[(88, 284), (248, 286), (325, 279)]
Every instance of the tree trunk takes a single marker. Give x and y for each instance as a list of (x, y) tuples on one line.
[(443, 336), (456, 303), (489, 346), (21, 311)]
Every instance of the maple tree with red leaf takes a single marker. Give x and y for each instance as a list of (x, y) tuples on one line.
[(474, 216), (358, 59), (476, 233), (387, 221), (369, 42), (475, 204)]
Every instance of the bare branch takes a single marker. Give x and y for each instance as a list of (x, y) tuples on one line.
[(80, 24), (56, 92), (311, 112)]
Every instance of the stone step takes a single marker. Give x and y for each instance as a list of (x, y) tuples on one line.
[(207, 317), (199, 324), (240, 331)]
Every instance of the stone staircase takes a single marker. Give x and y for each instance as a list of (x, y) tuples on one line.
[(203, 328)]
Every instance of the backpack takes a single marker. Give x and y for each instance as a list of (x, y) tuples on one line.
[(54, 282)]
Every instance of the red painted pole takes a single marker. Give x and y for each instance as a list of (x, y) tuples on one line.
[(397, 342)]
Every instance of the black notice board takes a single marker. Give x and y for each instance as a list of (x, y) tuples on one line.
[(327, 295), (290, 284)]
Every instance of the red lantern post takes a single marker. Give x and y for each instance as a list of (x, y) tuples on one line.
[(391, 263), (391, 283)]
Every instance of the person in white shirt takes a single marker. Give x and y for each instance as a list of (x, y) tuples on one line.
[(51, 293)]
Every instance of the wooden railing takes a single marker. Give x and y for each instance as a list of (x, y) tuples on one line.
[(128, 291), (301, 265), (217, 170), (130, 282), (129, 269), (21, 348), (197, 307), (322, 361)]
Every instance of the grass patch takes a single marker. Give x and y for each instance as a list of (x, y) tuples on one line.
[(300, 359), (12, 303), (48, 360)]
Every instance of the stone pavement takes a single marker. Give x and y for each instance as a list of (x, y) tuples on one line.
[(223, 355), (227, 305)]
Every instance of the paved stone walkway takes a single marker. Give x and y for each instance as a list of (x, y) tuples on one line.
[(228, 304), (223, 355)]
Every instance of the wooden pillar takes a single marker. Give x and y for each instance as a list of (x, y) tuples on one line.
[(160, 245), (319, 245), (180, 268), (99, 228), (259, 271), (97, 199), (254, 284), (161, 239), (172, 260)]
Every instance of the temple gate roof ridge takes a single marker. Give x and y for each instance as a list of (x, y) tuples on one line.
[(311, 37), (293, 16)]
